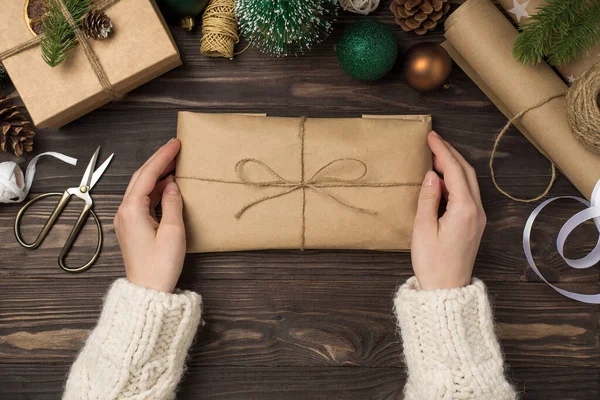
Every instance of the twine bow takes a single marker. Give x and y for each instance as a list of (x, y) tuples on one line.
[(316, 182), (107, 86)]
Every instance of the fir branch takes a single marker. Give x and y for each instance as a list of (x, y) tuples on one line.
[(59, 38), (580, 37), (559, 30), (535, 40)]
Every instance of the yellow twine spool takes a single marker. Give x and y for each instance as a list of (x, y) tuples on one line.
[(219, 29)]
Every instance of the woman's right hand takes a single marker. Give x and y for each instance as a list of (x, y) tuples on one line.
[(444, 249), (153, 252)]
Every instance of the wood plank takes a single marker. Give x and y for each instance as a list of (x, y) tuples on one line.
[(41, 382), (500, 257), (297, 322)]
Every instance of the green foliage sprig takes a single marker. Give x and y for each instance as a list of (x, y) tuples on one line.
[(59, 38), (559, 31)]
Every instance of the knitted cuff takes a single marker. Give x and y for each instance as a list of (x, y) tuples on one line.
[(449, 343), (141, 342)]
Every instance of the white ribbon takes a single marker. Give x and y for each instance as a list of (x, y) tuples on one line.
[(14, 187), (592, 212)]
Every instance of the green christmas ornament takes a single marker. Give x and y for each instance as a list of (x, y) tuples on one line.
[(186, 8), (367, 50)]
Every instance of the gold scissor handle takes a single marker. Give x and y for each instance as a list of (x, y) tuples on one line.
[(87, 210), (62, 203)]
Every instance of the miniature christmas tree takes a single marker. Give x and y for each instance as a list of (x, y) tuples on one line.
[(284, 27)]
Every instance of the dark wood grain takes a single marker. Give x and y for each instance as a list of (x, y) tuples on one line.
[(500, 259), (298, 322), (290, 324), (40, 382)]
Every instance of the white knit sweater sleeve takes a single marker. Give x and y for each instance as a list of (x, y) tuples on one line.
[(450, 347), (138, 348)]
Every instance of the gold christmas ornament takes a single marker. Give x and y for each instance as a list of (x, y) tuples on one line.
[(16, 131), (96, 25), (419, 16), (427, 66)]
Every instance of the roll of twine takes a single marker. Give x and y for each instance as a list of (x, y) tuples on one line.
[(583, 116), (219, 29), (583, 113), (360, 6)]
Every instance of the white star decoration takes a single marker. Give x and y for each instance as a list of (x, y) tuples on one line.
[(571, 78), (519, 9)]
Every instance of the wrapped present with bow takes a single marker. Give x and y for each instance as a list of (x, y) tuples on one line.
[(257, 182), (67, 72)]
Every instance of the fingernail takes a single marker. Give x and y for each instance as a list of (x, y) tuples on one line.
[(435, 134), (172, 188), (170, 140), (429, 178)]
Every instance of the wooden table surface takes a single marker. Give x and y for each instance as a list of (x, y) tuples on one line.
[(291, 324)]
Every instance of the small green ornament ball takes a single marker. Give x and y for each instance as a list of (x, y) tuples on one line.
[(367, 50)]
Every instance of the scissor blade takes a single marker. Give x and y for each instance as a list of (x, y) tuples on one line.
[(87, 176), (98, 172)]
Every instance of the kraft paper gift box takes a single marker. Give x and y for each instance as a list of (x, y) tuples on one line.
[(140, 49), (256, 182)]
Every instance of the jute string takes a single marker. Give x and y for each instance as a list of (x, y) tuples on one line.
[(316, 182), (219, 29), (583, 116), (107, 86), (582, 104)]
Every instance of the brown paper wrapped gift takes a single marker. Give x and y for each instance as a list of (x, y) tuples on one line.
[(255, 182), (140, 49)]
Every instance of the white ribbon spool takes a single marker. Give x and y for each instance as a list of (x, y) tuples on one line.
[(592, 212), (14, 187), (363, 7)]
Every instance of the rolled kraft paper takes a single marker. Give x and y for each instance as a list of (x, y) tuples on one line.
[(393, 150), (573, 69), (481, 39)]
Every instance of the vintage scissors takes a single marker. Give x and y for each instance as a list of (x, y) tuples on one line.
[(90, 178)]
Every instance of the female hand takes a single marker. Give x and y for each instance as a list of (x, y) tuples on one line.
[(444, 249), (153, 252)]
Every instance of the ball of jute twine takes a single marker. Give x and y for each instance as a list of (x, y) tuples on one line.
[(583, 113), (219, 29), (583, 116)]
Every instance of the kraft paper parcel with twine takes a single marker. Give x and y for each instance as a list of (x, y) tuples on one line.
[(140, 49), (480, 39), (254, 182)]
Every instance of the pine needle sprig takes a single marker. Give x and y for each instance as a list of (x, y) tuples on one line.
[(579, 38), (59, 38), (559, 30)]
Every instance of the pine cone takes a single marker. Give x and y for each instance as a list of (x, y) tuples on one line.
[(419, 16), (96, 25), (16, 132)]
